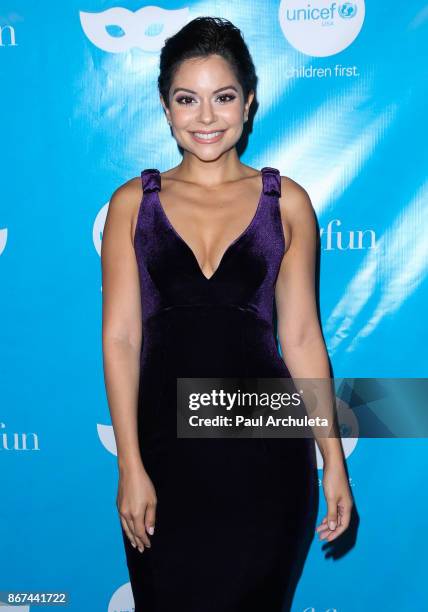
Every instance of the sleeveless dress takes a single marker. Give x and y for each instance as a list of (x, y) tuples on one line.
[(235, 516)]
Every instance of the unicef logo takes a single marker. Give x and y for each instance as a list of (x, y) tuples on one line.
[(347, 10), (321, 28)]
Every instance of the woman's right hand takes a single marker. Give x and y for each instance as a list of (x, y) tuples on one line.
[(136, 502)]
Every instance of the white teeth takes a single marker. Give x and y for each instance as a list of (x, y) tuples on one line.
[(207, 136)]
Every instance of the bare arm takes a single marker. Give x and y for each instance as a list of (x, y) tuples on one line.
[(122, 340), (121, 321), (299, 331), (302, 343)]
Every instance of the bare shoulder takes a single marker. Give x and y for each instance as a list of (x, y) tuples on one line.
[(123, 207), (297, 212), (127, 195), (294, 201)]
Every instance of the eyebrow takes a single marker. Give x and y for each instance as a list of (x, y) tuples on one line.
[(194, 92)]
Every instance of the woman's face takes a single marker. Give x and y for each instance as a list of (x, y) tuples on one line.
[(207, 109)]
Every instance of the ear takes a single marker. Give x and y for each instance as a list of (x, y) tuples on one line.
[(166, 110), (248, 103)]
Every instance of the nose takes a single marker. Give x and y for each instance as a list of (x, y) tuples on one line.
[(206, 112)]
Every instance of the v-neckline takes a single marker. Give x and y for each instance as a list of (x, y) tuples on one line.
[(228, 248)]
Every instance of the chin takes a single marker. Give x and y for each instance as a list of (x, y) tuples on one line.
[(209, 152)]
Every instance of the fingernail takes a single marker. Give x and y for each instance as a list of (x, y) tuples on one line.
[(332, 525), (134, 545), (151, 530), (140, 549)]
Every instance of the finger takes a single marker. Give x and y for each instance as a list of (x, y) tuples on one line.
[(339, 516), (140, 531), (345, 515), (332, 514), (323, 534), (128, 531), (345, 511), (322, 525), (150, 518), (139, 542), (332, 535)]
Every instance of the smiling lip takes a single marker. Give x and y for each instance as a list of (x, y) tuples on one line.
[(207, 140)]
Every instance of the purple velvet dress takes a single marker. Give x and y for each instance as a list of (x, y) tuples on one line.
[(235, 516)]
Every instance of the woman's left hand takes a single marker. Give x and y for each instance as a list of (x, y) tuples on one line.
[(339, 502)]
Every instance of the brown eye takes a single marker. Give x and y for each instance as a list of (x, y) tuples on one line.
[(230, 96), (181, 99)]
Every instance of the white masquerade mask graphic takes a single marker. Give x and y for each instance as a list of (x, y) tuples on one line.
[(133, 26)]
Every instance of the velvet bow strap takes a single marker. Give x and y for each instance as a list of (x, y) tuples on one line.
[(271, 181), (151, 180)]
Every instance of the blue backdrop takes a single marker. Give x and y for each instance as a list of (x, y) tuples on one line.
[(342, 93)]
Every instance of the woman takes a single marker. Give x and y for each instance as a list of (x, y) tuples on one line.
[(194, 260)]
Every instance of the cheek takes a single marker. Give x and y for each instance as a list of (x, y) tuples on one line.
[(182, 116), (232, 114)]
